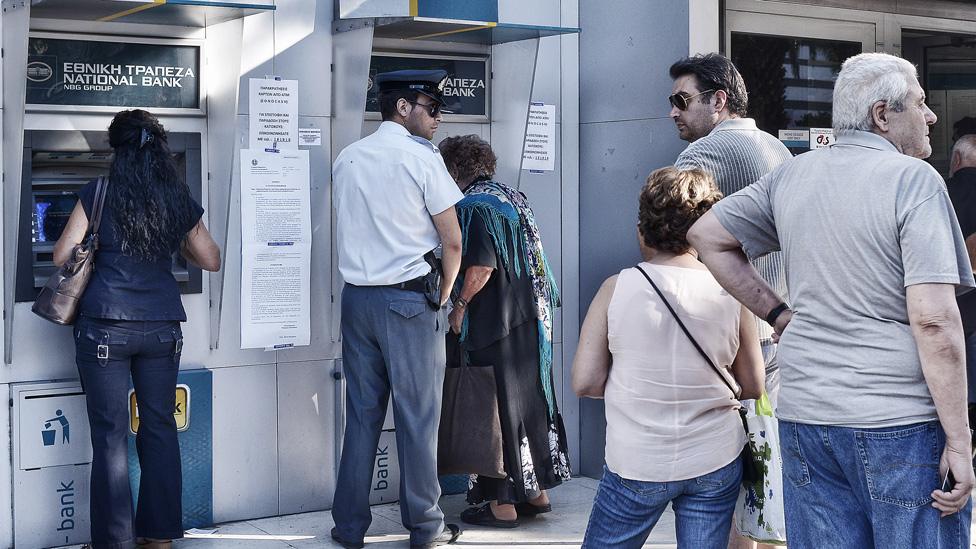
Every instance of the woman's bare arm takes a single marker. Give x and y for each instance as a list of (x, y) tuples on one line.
[(591, 365), (475, 278), (748, 367), (74, 233), (200, 249)]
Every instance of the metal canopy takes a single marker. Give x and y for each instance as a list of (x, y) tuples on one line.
[(453, 30), (184, 13)]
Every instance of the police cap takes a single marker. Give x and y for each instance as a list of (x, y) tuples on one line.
[(429, 83)]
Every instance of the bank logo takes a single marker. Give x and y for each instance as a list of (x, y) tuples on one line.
[(39, 71), (254, 162), (51, 428)]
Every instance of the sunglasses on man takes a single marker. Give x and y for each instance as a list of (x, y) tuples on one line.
[(681, 100), (433, 109)]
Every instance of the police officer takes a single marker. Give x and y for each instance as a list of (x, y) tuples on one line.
[(394, 202)]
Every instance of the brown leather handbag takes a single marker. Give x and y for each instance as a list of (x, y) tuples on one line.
[(470, 434), (58, 300)]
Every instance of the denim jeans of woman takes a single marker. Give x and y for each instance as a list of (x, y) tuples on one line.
[(625, 511), (108, 352)]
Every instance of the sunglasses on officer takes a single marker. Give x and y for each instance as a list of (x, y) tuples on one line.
[(433, 109), (681, 100)]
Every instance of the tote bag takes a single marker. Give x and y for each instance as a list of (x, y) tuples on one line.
[(759, 512)]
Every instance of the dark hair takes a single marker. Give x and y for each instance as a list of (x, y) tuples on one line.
[(468, 157), (714, 71), (151, 203), (964, 126), (388, 101), (670, 203)]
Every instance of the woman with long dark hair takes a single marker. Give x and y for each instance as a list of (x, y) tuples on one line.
[(129, 324)]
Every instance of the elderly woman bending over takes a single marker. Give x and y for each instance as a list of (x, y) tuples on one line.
[(502, 317), (673, 429)]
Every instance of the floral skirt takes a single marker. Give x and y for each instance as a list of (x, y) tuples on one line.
[(534, 444)]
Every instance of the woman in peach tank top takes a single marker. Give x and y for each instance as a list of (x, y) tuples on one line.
[(673, 428)]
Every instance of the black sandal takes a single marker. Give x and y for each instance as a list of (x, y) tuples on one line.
[(526, 509), (482, 516)]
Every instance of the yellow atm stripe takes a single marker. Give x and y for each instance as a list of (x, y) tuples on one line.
[(130, 11), (413, 8), (455, 31)]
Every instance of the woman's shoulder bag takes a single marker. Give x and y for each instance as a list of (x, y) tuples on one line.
[(58, 300)]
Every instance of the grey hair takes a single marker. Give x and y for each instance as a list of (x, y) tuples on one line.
[(966, 148), (865, 79)]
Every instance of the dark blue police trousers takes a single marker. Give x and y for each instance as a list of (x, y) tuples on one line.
[(391, 343), (107, 353)]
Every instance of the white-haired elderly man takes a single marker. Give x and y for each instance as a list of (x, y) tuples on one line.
[(872, 411), (962, 192)]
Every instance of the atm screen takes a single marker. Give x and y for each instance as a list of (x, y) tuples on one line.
[(51, 212)]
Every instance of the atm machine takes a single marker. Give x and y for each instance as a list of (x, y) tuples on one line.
[(57, 163)]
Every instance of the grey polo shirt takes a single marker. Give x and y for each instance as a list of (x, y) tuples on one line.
[(737, 154), (857, 224)]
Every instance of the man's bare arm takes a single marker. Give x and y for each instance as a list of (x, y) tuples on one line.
[(449, 231), (723, 255), (937, 329)]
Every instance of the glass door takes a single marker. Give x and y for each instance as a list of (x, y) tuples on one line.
[(789, 64), (946, 64)]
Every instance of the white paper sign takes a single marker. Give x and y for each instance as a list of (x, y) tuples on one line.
[(821, 138), (276, 249), (794, 138), (310, 137), (273, 109), (539, 150)]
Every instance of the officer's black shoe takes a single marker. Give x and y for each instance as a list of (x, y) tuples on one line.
[(450, 534), (346, 543)]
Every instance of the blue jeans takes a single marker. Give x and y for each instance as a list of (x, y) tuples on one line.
[(391, 344), (107, 353), (848, 487), (625, 511)]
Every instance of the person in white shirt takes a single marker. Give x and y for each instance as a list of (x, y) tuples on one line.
[(394, 202)]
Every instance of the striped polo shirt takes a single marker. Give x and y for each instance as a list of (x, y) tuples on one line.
[(737, 154)]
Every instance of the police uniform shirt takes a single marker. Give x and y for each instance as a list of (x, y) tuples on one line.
[(386, 188)]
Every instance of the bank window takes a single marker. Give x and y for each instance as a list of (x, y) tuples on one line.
[(790, 80)]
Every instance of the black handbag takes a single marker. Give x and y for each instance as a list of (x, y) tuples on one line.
[(469, 440), (750, 468), (60, 296)]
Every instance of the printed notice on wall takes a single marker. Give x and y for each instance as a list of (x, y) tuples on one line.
[(310, 137), (276, 249), (274, 114), (539, 151)]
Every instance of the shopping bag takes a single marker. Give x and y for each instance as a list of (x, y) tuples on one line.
[(470, 433), (759, 512)]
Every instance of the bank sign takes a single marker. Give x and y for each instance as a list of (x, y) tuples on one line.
[(465, 92), (110, 74)]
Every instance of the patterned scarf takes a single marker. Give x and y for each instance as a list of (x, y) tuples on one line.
[(509, 219)]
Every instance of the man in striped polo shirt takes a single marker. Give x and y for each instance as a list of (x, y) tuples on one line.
[(708, 105)]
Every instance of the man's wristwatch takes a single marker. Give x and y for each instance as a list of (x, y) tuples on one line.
[(460, 303), (774, 314)]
